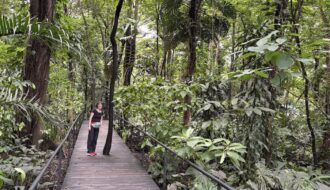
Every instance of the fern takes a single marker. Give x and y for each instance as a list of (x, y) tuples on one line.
[(286, 179), (12, 96), (24, 25)]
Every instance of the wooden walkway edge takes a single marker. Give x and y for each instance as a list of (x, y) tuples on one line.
[(120, 171)]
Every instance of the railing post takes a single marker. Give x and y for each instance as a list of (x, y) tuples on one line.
[(144, 138), (70, 140), (76, 127), (165, 170)]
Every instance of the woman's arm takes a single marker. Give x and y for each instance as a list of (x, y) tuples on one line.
[(101, 121), (90, 121)]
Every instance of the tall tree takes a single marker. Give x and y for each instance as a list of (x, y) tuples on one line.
[(114, 73), (279, 19), (192, 43), (104, 23), (158, 7), (36, 63), (71, 74), (326, 136), (296, 15), (130, 47), (90, 58)]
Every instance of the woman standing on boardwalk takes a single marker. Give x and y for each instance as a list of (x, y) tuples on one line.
[(94, 124)]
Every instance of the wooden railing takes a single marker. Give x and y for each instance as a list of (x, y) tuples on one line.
[(168, 151), (69, 139)]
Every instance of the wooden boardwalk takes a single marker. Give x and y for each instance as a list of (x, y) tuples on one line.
[(120, 171)]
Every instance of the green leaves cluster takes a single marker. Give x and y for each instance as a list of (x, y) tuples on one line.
[(207, 150), (22, 166)]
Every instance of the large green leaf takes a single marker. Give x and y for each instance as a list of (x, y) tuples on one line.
[(283, 61)]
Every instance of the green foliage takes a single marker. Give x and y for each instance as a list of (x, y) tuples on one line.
[(147, 104), (286, 178), (13, 98), (48, 32), (208, 150), (23, 164)]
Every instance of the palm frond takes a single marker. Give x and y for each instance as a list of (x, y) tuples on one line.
[(49, 32)]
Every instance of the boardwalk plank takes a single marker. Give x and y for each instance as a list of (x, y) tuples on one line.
[(120, 171)]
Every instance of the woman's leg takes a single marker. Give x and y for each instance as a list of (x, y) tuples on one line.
[(90, 141), (95, 136)]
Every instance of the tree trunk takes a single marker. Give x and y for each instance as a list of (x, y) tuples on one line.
[(192, 43), (103, 26), (317, 80), (91, 60), (296, 15), (114, 70), (218, 62), (279, 19), (169, 62), (211, 59), (128, 68), (85, 82), (157, 39), (232, 59), (71, 78), (325, 152), (163, 66), (130, 49), (36, 60)]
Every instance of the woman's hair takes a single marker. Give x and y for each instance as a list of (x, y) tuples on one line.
[(97, 104)]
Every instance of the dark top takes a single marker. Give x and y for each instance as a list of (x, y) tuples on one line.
[(97, 116)]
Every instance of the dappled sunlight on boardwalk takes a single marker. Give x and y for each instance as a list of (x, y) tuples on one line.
[(120, 171)]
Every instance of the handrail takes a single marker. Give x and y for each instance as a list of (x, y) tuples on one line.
[(36, 181), (219, 182)]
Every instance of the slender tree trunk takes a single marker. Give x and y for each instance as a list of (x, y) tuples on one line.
[(279, 19), (36, 60), (192, 43), (85, 82), (114, 70), (157, 39), (168, 64), (107, 78), (163, 67), (307, 110), (130, 50), (91, 60), (316, 80), (296, 15), (218, 61), (106, 55), (232, 59), (210, 55), (326, 136), (128, 68), (231, 69), (71, 78), (106, 60)]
